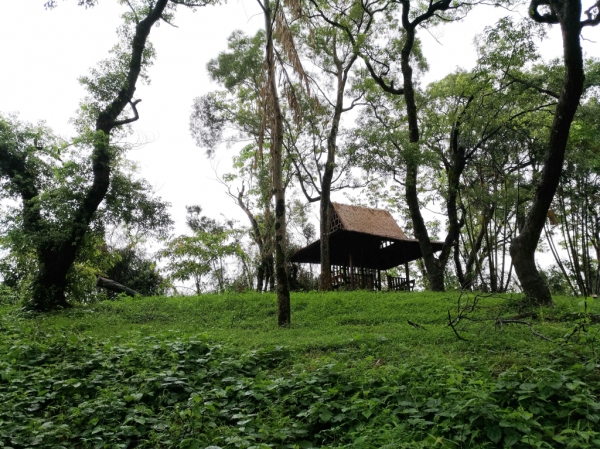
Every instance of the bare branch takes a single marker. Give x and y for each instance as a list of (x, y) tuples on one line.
[(593, 15), (451, 324), (501, 321), (137, 19), (191, 4), (166, 21)]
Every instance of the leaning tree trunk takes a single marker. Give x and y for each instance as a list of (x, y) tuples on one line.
[(283, 290), (114, 286), (56, 258), (522, 248), (259, 239)]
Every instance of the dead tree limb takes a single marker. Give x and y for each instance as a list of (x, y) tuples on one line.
[(114, 286), (451, 324), (500, 322)]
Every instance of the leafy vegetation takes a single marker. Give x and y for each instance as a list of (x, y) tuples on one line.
[(349, 372)]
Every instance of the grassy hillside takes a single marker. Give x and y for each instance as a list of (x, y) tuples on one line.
[(351, 371)]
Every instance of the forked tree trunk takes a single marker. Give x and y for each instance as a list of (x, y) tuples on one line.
[(260, 241), (435, 275), (470, 275), (522, 249)]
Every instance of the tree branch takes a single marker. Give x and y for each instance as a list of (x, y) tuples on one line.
[(131, 119), (593, 15), (534, 14), (533, 86)]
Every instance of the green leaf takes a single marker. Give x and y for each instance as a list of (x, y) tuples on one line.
[(494, 433)]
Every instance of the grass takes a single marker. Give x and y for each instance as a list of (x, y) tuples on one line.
[(350, 371), (321, 322)]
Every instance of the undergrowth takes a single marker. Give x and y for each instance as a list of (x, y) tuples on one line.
[(346, 378)]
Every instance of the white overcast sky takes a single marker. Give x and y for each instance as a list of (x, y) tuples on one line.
[(44, 52)]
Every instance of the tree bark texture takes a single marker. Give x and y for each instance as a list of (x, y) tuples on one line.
[(522, 249)]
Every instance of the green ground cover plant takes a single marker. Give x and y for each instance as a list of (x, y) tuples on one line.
[(350, 372)]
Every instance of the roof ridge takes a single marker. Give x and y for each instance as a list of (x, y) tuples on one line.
[(360, 207), (368, 220)]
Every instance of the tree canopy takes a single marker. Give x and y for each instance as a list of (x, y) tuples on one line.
[(492, 164)]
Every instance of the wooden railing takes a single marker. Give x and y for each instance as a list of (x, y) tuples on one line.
[(354, 279), (365, 279), (400, 284)]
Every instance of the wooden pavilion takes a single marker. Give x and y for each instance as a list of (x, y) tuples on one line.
[(364, 241)]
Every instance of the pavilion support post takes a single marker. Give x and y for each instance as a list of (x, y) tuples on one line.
[(378, 280), (351, 273), (407, 276)]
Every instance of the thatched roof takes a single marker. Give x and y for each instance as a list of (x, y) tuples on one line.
[(377, 222)]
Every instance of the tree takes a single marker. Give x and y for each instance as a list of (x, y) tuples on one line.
[(201, 256), (575, 212), (395, 59), (61, 171), (275, 116), (277, 28), (466, 119), (112, 87), (566, 13), (240, 70)]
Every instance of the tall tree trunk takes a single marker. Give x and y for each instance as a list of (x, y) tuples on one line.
[(283, 290), (260, 277), (325, 205), (325, 226), (491, 263), (434, 274), (505, 222), (522, 250), (460, 275)]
